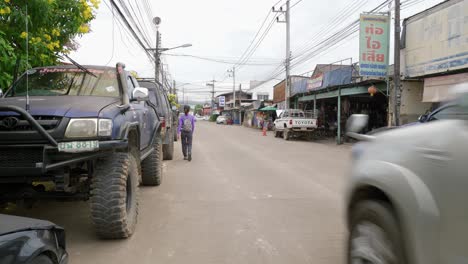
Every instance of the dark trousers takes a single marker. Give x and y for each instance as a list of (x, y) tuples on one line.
[(186, 143)]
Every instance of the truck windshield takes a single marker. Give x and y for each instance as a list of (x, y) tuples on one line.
[(66, 81)]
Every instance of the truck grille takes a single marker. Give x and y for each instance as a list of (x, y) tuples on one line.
[(17, 123), (20, 157)]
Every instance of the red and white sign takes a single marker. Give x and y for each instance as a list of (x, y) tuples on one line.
[(315, 83)]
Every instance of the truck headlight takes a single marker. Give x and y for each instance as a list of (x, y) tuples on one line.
[(88, 128), (105, 127), (82, 128)]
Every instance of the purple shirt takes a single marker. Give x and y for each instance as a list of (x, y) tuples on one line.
[(181, 122)]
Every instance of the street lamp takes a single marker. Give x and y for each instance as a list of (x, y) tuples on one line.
[(157, 51)]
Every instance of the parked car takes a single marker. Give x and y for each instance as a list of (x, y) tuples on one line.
[(86, 131), (158, 96), (448, 111), (294, 122), (222, 119), (31, 241), (406, 194)]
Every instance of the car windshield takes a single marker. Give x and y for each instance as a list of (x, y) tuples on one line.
[(66, 81)]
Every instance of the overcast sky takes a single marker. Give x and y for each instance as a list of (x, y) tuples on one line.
[(222, 30)]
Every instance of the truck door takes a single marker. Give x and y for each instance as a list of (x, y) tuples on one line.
[(139, 113)]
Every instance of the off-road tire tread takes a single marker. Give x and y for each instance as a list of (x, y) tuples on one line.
[(151, 167), (108, 196), (168, 151)]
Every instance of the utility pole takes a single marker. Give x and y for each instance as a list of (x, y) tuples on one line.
[(232, 74), (212, 93), (174, 87), (396, 77), (288, 47), (240, 104)]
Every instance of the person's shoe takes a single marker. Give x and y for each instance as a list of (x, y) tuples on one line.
[(185, 157), (190, 157)]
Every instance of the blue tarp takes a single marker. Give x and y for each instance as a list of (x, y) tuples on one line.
[(337, 77), (298, 85)]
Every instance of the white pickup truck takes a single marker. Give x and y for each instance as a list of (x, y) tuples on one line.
[(294, 122)]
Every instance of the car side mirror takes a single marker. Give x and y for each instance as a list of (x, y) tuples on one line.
[(422, 118), (174, 108), (356, 123), (1, 93), (140, 94)]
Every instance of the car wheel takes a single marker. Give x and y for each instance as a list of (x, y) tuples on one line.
[(375, 236), (151, 167), (114, 196), (41, 259), (168, 150), (286, 135)]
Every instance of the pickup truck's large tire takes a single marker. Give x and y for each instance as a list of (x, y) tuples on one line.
[(151, 167), (375, 235), (114, 196), (168, 150), (175, 134)]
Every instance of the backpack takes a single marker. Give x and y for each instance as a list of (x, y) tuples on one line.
[(187, 125)]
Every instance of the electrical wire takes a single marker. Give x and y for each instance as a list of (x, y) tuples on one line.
[(217, 60), (113, 37)]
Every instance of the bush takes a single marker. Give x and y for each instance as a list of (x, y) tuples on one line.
[(213, 118)]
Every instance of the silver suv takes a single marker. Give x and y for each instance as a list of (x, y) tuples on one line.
[(407, 196)]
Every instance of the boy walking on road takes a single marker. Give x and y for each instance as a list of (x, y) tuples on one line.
[(185, 131)]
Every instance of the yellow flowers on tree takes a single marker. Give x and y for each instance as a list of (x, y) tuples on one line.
[(53, 26), (173, 100)]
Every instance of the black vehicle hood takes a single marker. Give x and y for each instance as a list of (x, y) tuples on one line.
[(12, 224), (65, 106)]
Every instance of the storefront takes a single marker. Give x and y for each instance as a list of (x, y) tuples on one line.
[(440, 62), (358, 98)]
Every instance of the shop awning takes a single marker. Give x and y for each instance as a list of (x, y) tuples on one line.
[(344, 92), (268, 108)]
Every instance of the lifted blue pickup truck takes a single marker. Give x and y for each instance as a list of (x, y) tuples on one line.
[(69, 132)]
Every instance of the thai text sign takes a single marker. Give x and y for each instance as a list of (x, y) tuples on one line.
[(222, 101), (315, 83), (373, 45)]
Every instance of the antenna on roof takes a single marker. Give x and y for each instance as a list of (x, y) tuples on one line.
[(27, 61)]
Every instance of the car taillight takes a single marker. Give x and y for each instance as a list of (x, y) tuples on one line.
[(163, 122), (290, 122)]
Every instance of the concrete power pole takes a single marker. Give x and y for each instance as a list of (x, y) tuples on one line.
[(156, 57), (232, 73), (287, 20), (396, 77)]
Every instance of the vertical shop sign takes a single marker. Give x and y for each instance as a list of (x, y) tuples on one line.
[(373, 45)]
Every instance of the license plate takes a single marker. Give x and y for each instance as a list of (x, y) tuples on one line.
[(303, 128), (78, 146)]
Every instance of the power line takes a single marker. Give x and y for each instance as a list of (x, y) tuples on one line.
[(217, 60)]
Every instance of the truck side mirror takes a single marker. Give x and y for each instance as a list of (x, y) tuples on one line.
[(1, 92), (174, 108), (356, 123), (140, 94)]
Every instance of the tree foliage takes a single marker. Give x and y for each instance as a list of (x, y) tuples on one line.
[(52, 26), (173, 100)]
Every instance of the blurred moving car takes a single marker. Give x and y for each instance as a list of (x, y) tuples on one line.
[(31, 241), (448, 111), (222, 120), (406, 200)]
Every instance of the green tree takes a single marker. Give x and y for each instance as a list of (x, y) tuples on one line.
[(52, 27), (198, 109), (173, 100)]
